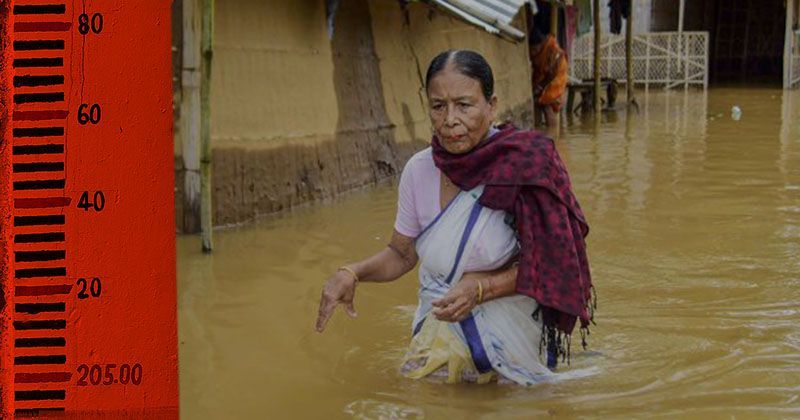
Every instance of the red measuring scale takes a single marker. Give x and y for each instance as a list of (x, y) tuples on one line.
[(87, 225)]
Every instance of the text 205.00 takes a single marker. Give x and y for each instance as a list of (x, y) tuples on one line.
[(110, 374)]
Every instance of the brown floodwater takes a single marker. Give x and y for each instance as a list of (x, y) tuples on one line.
[(694, 248)]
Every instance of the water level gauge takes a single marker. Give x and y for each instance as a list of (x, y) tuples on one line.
[(86, 192)]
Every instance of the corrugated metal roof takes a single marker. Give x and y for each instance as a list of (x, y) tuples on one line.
[(495, 16), (502, 10)]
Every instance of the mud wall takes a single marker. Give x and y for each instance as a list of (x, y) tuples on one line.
[(300, 118), (407, 39)]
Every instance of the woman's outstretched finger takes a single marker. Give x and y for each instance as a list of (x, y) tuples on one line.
[(350, 309), (326, 308)]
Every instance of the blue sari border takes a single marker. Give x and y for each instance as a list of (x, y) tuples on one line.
[(479, 356), (473, 218)]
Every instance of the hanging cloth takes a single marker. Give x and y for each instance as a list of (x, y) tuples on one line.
[(572, 25), (584, 16), (618, 10)]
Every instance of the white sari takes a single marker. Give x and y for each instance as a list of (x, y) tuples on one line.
[(499, 336)]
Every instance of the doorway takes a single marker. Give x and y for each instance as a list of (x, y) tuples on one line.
[(746, 36)]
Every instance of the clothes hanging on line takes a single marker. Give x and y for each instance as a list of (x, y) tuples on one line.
[(618, 10), (584, 16)]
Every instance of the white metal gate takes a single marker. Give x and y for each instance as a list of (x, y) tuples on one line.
[(666, 59)]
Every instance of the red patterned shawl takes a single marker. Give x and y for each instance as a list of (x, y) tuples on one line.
[(525, 176)]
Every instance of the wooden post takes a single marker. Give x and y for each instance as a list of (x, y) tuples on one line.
[(190, 115), (597, 40), (554, 131), (629, 54), (205, 93), (529, 73), (787, 45), (682, 47)]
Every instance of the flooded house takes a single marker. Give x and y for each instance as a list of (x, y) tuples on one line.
[(299, 116), (307, 104)]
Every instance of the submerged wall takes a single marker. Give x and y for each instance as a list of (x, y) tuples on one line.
[(299, 118)]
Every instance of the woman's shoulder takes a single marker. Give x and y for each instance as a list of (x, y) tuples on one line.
[(423, 156), (421, 161)]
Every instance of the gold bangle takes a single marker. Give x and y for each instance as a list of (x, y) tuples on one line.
[(480, 292), (349, 270)]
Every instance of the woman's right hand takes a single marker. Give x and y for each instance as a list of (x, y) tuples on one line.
[(339, 289)]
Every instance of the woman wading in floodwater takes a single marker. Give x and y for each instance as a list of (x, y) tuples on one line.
[(490, 216)]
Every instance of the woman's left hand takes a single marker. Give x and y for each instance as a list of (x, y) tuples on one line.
[(459, 301)]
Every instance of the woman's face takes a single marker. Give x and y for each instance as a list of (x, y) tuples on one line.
[(460, 114)]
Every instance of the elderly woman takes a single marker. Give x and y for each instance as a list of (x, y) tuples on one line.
[(489, 214)]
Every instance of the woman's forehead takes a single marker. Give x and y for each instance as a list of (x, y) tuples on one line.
[(453, 84)]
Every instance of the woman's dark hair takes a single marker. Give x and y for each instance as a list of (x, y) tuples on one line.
[(536, 36), (469, 63)]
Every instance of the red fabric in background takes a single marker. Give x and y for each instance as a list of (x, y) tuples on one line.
[(572, 27)]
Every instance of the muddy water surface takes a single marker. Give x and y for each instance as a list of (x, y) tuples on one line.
[(694, 250)]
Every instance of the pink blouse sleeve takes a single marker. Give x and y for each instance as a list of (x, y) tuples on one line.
[(407, 222)]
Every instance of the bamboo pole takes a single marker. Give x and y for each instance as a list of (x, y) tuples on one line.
[(597, 40), (190, 115), (554, 131), (682, 45), (629, 54), (787, 45), (206, 221), (529, 70)]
